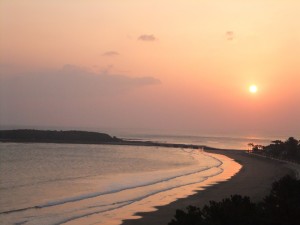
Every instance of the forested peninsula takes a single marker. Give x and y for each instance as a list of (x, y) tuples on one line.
[(47, 136), (82, 137)]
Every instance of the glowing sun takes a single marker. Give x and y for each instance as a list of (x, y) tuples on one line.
[(253, 89)]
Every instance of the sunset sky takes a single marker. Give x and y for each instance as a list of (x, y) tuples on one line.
[(160, 65)]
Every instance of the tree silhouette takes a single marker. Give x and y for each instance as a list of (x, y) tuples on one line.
[(290, 149), (280, 207)]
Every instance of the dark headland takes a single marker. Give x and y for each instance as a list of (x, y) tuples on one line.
[(80, 137), (47, 136)]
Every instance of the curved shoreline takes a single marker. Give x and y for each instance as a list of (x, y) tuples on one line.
[(164, 198), (254, 180), (194, 180)]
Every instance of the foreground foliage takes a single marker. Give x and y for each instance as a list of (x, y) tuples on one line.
[(280, 207)]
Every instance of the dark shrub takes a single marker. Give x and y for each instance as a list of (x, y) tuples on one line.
[(280, 207)]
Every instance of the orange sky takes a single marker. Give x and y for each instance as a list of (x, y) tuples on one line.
[(165, 65)]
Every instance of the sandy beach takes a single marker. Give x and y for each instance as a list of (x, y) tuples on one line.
[(254, 180)]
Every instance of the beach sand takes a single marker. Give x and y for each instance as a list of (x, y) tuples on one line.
[(254, 180)]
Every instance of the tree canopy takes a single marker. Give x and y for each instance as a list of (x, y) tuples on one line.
[(289, 149), (280, 207)]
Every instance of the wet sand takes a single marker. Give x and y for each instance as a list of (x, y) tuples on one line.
[(254, 180)]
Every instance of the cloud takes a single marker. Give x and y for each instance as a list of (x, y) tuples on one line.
[(230, 35), (69, 82), (147, 37), (110, 53)]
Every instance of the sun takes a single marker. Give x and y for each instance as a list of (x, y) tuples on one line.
[(253, 89)]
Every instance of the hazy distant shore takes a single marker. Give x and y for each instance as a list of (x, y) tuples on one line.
[(254, 180), (81, 137)]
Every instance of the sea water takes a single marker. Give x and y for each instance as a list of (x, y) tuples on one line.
[(216, 141), (96, 184)]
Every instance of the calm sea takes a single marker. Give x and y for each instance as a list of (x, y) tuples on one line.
[(94, 184), (222, 142)]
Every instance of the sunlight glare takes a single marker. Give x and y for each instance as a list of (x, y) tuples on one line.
[(253, 89)]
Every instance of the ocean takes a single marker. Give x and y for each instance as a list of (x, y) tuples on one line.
[(216, 141), (98, 184)]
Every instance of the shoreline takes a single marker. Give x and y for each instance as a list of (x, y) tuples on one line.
[(188, 189), (228, 166), (81, 137), (253, 180)]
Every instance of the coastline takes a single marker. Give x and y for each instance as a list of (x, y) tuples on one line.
[(253, 180), (81, 137), (228, 166), (164, 197)]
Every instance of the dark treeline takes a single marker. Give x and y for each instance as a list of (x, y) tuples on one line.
[(280, 207), (56, 136), (288, 150), (81, 137)]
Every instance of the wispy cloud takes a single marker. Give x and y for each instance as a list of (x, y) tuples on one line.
[(110, 53), (147, 37), (230, 35), (69, 82)]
